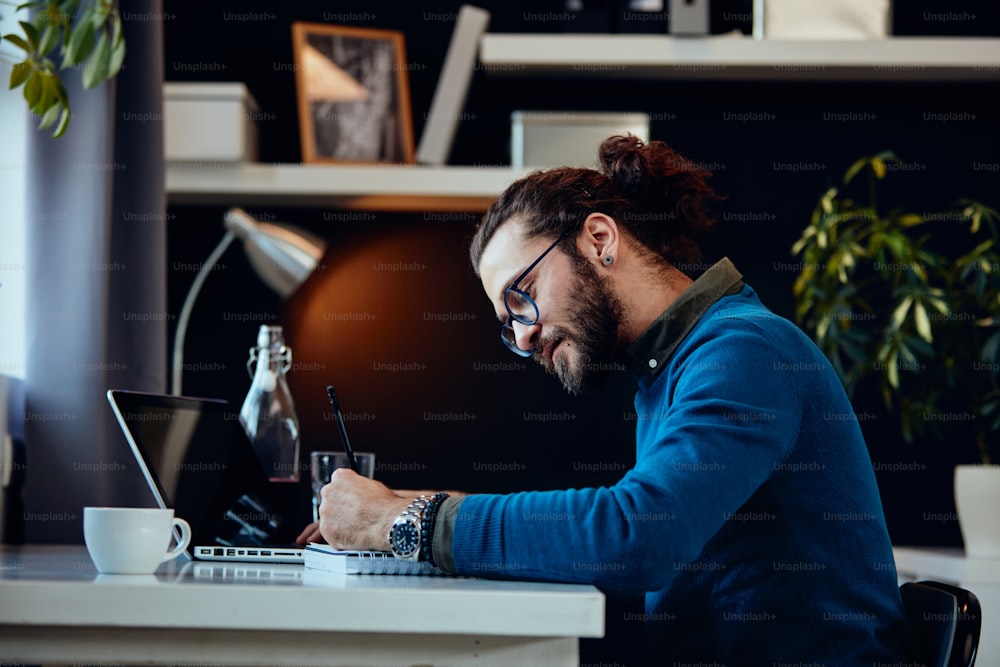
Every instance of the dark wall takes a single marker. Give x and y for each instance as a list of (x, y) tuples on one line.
[(414, 351)]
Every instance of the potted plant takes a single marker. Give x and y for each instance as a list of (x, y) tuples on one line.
[(911, 302), (83, 34)]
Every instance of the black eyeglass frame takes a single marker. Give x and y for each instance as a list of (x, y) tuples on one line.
[(510, 339)]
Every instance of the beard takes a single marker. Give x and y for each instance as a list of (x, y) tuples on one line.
[(591, 342)]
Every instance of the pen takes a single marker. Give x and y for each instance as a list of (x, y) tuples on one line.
[(332, 395)]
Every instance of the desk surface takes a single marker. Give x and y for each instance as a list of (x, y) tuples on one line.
[(945, 564), (58, 586)]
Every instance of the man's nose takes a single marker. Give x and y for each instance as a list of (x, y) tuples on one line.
[(526, 335)]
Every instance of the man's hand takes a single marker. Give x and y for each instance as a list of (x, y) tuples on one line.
[(309, 534), (357, 512)]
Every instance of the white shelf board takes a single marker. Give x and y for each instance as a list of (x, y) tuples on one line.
[(741, 57), (357, 187)]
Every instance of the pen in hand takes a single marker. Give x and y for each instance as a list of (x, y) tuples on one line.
[(332, 395)]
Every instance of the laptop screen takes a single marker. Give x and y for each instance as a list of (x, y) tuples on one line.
[(197, 460)]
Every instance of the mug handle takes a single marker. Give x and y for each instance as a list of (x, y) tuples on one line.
[(185, 529)]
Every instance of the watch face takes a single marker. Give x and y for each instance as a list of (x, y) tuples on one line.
[(404, 539)]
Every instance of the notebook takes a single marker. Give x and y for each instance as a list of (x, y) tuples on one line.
[(197, 460), (326, 558)]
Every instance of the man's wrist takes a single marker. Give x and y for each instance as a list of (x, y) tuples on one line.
[(384, 525)]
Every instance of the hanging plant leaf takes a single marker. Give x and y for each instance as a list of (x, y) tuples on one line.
[(49, 40), (97, 66), (20, 43), (19, 74), (81, 43), (84, 32)]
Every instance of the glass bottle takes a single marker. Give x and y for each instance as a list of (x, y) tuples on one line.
[(268, 413)]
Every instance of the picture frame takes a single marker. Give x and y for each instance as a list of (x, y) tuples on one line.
[(353, 94)]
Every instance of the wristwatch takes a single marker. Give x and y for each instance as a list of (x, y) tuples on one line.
[(405, 535)]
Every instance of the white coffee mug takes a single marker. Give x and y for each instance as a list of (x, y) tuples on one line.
[(132, 540)]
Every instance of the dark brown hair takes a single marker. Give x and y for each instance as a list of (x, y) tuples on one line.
[(658, 197)]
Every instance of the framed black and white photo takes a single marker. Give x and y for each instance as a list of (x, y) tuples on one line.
[(353, 94)]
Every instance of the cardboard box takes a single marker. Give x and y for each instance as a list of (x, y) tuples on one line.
[(568, 138), (209, 122)]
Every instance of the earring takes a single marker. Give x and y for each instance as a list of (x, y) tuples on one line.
[(608, 259)]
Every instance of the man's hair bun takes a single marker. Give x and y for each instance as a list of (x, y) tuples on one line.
[(657, 196)]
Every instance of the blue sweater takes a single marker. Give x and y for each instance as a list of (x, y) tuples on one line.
[(751, 520)]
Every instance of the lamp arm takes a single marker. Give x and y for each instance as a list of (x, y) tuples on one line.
[(182, 320)]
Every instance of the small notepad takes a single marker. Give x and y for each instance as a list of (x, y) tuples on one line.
[(326, 558)]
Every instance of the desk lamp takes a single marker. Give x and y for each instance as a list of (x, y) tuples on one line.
[(283, 256)]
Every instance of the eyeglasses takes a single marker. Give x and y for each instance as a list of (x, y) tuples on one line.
[(521, 307)]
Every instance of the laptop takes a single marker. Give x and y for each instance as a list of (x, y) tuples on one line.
[(197, 460)]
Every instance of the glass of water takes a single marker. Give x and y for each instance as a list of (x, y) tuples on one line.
[(322, 465)]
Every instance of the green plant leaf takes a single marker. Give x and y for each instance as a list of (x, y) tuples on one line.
[(49, 41), (53, 15), (977, 218), (19, 42), (853, 170), (99, 15), (63, 123), (117, 34), (19, 74), (892, 370), (909, 359), (33, 89), (48, 95), (899, 244), (81, 43), (900, 312), (30, 34), (797, 247), (938, 304), (50, 116), (97, 67), (117, 58), (878, 167), (826, 201), (923, 322), (61, 94)]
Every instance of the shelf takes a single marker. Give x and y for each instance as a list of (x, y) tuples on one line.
[(349, 187), (741, 57), (471, 189)]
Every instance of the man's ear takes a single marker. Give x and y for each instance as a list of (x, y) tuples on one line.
[(600, 239)]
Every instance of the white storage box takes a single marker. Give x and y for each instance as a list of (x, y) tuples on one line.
[(568, 138), (209, 122), (824, 19)]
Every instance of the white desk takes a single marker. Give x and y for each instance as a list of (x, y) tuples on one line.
[(979, 575), (55, 608)]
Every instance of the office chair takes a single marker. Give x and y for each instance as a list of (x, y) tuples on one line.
[(945, 620)]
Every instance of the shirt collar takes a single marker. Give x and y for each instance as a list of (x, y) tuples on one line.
[(649, 352)]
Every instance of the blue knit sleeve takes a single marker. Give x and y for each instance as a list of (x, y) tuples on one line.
[(710, 429)]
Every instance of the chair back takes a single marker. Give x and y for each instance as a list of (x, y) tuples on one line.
[(946, 621)]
